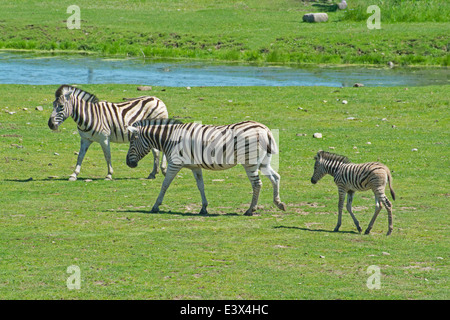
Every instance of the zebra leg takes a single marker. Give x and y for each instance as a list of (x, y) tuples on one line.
[(377, 211), (152, 175), (201, 187), (84, 146), (350, 195), (388, 206), (172, 171), (274, 177), (163, 163), (340, 207), (107, 153), (252, 173)]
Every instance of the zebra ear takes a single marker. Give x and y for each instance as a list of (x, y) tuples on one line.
[(132, 129)]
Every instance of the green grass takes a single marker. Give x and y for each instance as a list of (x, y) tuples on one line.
[(264, 31), (123, 252)]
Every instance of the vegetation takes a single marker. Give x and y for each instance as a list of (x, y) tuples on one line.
[(412, 32), (124, 252)]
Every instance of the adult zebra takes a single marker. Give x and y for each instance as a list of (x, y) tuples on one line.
[(350, 177), (197, 147), (103, 122)]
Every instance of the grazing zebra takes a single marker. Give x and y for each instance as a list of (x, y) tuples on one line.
[(103, 122), (350, 177), (197, 147)]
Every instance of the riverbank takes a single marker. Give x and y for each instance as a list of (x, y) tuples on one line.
[(252, 32)]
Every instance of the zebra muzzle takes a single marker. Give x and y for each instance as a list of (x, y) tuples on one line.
[(52, 125), (131, 164)]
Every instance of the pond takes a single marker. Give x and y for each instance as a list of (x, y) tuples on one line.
[(30, 68)]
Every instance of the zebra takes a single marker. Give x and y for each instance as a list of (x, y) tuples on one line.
[(196, 147), (350, 177), (103, 122)]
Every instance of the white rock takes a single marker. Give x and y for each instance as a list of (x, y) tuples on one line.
[(317, 135), (39, 108), (315, 17), (414, 149), (344, 101)]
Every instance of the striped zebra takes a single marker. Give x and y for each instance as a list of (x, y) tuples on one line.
[(103, 122), (197, 147), (350, 177)]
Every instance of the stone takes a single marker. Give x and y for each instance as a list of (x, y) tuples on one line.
[(144, 88), (315, 17), (342, 5), (317, 135), (357, 85), (39, 108)]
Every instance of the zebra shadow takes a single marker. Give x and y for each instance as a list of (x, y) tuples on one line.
[(314, 230), (67, 179), (186, 214)]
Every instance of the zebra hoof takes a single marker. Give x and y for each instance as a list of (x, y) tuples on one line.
[(282, 206), (155, 210), (203, 212), (108, 178), (249, 212), (73, 178), (367, 231), (151, 176)]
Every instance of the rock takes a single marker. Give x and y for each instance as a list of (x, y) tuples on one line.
[(188, 88), (351, 118), (344, 101), (144, 88), (39, 108), (414, 149), (390, 64), (357, 85), (342, 5), (11, 112), (315, 17), (317, 135), (301, 134)]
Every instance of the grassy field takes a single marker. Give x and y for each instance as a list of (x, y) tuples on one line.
[(412, 32), (123, 252)]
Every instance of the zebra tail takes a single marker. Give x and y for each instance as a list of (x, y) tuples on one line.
[(390, 184), (272, 147)]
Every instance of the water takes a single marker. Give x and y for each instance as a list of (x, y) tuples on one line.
[(29, 68)]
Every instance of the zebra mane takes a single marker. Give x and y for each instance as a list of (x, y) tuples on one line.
[(86, 96), (331, 156), (166, 121)]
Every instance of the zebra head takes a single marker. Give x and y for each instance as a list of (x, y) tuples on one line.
[(139, 146), (319, 169), (62, 106)]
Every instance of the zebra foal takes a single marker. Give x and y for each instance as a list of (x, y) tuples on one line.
[(103, 122), (196, 147), (350, 177)]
